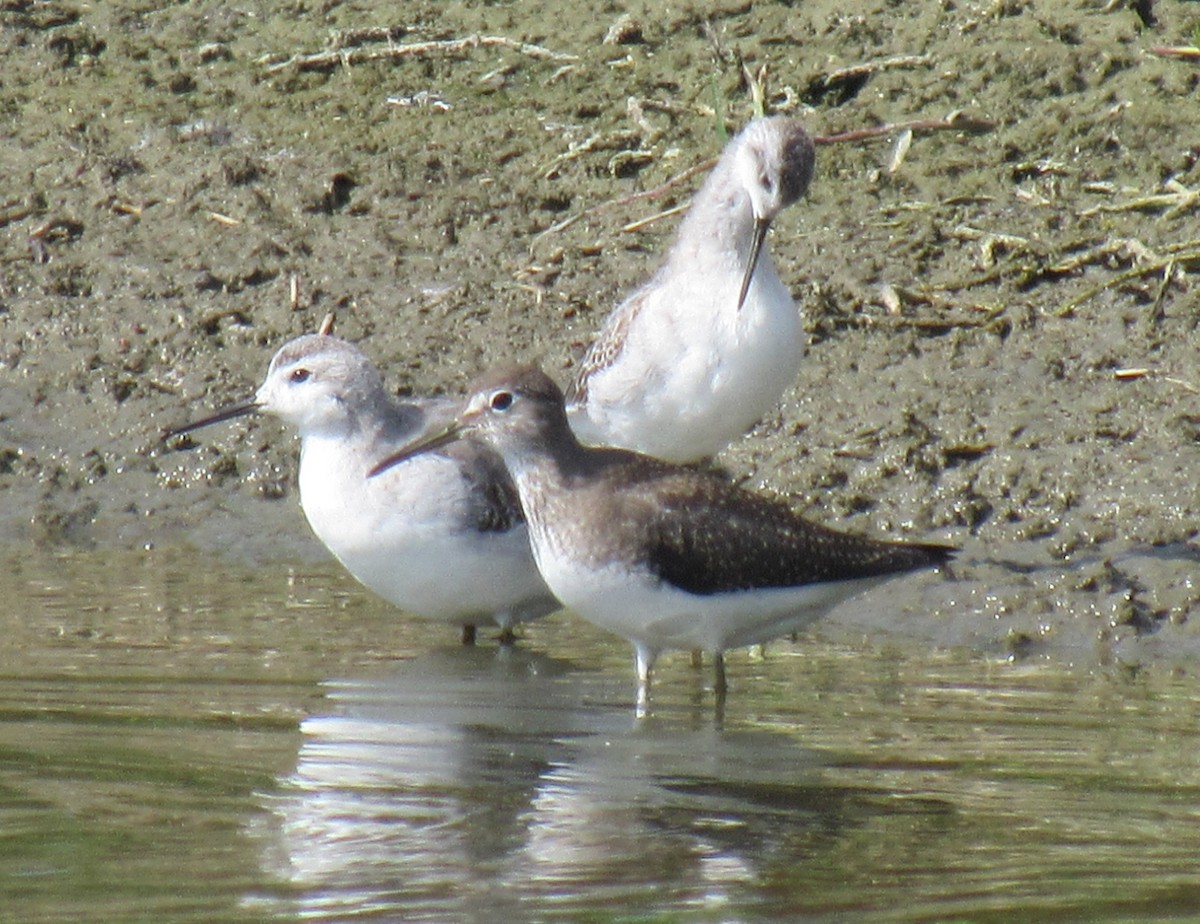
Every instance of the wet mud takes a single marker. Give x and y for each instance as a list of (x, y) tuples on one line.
[(1002, 306)]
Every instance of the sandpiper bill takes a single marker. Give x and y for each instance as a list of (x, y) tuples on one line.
[(443, 536), (669, 557), (695, 357)]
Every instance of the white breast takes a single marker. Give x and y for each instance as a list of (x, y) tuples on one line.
[(408, 536)]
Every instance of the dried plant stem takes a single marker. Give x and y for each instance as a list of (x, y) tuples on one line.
[(346, 57)]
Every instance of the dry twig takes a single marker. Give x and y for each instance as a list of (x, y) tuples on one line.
[(620, 140), (1176, 200), (1119, 247), (1133, 374), (867, 68), (1184, 52), (1187, 254), (641, 223), (955, 122), (626, 200), (327, 60)]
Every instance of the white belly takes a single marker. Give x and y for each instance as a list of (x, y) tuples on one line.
[(407, 536), (663, 618), (689, 382)]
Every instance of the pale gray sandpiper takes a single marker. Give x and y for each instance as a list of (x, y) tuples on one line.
[(441, 537), (695, 357), (669, 557)]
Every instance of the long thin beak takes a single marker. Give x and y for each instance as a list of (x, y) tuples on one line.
[(422, 444), (761, 226), (238, 410)]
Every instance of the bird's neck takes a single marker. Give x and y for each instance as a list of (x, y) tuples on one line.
[(554, 463), (719, 224), (378, 421)]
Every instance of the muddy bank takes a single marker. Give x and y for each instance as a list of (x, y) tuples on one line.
[(1003, 323)]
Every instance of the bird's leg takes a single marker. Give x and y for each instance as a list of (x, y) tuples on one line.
[(644, 658), (642, 706), (468, 635), (719, 685)]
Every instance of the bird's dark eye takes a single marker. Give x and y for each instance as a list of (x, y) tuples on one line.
[(300, 375), (766, 181), (502, 400)]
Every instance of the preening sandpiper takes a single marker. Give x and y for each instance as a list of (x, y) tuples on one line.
[(442, 537), (702, 351), (669, 557)]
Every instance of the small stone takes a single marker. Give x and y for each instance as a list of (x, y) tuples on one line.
[(625, 31)]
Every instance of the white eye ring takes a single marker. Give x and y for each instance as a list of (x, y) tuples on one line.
[(501, 401)]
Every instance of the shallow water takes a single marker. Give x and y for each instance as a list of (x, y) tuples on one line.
[(183, 741)]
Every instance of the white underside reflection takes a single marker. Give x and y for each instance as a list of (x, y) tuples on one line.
[(476, 784)]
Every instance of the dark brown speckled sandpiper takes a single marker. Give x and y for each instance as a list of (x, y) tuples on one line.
[(668, 557)]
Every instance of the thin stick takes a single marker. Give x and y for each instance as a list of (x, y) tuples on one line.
[(1185, 52), (1173, 202), (626, 200), (1138, 272), (867, 68), (1182, 384), (646, 222), (1140, 372), (1156, 309), (955, 122), (326, 60), (1118, 246)]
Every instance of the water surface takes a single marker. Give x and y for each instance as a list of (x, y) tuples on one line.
[(185, 741)]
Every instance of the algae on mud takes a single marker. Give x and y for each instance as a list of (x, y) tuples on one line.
[(971, 312)]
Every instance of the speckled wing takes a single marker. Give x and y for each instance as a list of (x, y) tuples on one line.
[(712, 539), (495, 504), (606, 348)]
